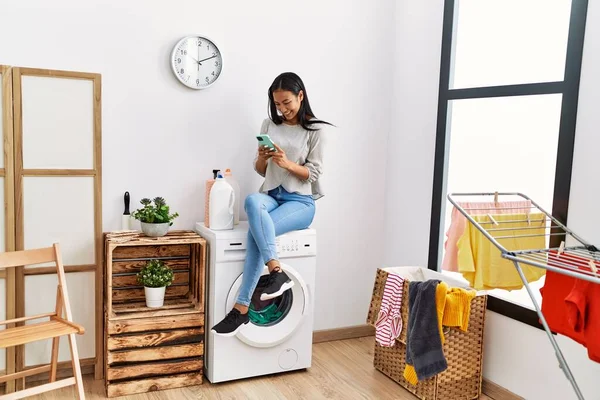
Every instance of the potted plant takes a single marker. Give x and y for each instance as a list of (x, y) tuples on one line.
[(155, 276), (154, 218)]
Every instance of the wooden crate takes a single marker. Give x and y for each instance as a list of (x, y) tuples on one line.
[(148, 349)]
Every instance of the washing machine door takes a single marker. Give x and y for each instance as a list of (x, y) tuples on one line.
[(273, 322)]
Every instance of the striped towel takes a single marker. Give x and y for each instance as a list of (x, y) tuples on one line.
[(389, 321)]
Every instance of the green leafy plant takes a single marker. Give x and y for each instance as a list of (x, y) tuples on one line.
[(155, 274), (157, 213)]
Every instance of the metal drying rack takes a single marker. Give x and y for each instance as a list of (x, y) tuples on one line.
[(583, 265)]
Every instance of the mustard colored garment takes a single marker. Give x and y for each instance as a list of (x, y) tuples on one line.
[(440, 304), (453, 309), (481, 263), (457, 309)]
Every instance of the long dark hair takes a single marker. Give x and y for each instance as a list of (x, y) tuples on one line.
[(291, 82)]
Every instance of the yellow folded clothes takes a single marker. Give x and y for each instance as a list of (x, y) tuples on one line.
[(481, 262), (457, 309)]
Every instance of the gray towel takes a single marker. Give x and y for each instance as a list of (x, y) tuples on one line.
[(423, 344)]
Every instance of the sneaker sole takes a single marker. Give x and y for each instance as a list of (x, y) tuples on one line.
[(283, 288), (230, 334)]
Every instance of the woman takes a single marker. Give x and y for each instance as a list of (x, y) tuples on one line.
[(286, 199)]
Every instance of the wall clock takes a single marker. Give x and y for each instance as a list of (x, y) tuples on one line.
[(196, 61)]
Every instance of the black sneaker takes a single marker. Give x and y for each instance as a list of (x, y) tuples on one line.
[(278, 283), (231, 324)]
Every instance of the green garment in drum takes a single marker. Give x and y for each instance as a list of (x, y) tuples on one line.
[(265, 316)]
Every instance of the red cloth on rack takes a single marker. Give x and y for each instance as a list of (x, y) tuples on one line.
[(583, 314), (556, 289), (570, 304)]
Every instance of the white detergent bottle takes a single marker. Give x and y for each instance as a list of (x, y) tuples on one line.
[(236, 189), (222, 199)]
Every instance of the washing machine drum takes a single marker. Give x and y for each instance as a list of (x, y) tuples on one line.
[(273, 321)]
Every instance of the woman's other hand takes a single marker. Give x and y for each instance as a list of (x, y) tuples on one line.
[(280, 158)]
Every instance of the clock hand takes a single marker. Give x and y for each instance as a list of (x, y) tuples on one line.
[(198, 58), (206, 59), (193, 58)]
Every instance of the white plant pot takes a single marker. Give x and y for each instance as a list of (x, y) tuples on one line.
[(155, 296), (155, 230)]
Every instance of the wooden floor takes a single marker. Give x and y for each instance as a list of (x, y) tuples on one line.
[(340, 370)]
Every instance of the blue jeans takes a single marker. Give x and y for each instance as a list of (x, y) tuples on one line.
[(270, 216)]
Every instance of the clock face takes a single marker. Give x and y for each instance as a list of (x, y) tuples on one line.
[(196, 62)]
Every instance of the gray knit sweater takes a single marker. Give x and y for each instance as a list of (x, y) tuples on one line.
[(302, 147)]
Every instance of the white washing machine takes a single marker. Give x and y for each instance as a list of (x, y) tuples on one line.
[(279, 335)]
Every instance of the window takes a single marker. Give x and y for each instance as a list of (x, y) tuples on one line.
[(509, 42), (507, 107)]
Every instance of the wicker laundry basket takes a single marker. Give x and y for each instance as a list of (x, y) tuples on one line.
[(463, 351)]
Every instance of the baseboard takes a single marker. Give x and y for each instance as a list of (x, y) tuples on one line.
[(64, 370), (350, 332), (497, 392)]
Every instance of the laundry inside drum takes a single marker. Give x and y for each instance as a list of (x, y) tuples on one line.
[(269, 312)]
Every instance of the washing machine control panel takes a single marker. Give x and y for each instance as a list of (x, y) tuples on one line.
[(295, 246)]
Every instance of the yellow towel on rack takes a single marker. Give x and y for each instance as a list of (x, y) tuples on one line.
[(481, 263), (453, 309)]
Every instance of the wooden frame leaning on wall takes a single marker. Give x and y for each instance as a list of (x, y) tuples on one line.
[(14, 174)]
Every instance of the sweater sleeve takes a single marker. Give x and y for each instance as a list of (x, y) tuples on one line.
[(577, 305), (263, 131), (314, 159)]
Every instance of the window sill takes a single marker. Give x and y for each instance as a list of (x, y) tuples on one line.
[(514, 311)]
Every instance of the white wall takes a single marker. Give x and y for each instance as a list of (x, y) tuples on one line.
[(162, 139), (525, 363), (411, 148)]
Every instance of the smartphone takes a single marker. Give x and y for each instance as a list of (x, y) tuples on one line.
[(265, 140)]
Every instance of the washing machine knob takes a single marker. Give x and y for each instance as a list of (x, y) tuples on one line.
[(288, 358)]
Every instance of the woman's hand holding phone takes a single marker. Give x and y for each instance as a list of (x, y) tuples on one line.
[(266, 147), (264, 152)]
